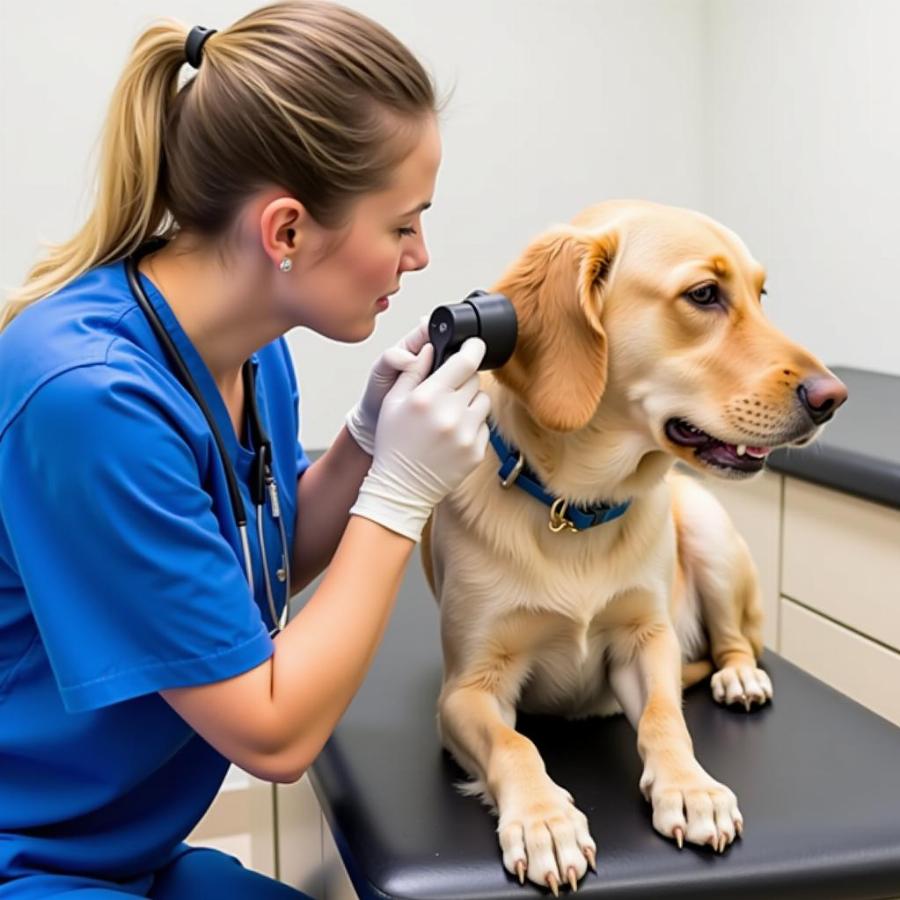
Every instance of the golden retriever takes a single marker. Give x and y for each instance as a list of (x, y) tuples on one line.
[(642, 340)]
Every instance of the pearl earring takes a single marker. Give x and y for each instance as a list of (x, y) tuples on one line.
[(286, 265)]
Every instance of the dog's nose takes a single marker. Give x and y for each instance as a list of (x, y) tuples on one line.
[(821, 396)]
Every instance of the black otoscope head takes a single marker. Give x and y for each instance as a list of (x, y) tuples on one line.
[(488, 316)]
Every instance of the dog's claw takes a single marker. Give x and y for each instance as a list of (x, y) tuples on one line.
[(738, 827), (747, 704), (572, 878), (591, 857), (553, 884), (679, 838), (520, 871)]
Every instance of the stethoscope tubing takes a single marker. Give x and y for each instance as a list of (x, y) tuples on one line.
[(266, 488)]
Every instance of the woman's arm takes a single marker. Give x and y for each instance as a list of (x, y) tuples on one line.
[(325, 493), (273, 720), (329, 487)]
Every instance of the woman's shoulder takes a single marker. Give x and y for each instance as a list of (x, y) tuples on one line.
[(76, 316), (73, 329)]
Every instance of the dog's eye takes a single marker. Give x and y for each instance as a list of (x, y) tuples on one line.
[(704, 295)]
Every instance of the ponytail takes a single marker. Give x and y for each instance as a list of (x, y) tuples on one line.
[(304, 94), (128, 208)]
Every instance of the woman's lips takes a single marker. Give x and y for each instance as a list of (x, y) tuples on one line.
[(384, 302)]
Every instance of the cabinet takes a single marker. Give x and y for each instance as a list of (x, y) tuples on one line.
[(842, 559), (829, 565)]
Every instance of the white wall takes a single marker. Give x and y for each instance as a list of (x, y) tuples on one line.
[(779, 117), (556, 105), (802, 101)]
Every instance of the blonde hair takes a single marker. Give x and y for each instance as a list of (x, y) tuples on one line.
[(305, 94)]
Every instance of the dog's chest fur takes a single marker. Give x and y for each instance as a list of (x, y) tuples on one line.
[(568, 677), (556, 603)]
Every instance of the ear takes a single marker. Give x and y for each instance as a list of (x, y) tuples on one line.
[(282, 223), (558, 369)]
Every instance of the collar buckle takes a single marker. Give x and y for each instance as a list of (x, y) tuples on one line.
[(510, 479), (558, 521)]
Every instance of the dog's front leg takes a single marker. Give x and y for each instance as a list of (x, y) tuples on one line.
[(688, 804), (542, 833)]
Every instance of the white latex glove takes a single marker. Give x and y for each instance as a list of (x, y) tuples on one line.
[(361, 420), (431, 434)]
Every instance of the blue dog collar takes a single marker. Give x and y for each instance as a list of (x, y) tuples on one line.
[(514, 470)]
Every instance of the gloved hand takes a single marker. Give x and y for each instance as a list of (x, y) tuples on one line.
[(361, 420), (431, 434)]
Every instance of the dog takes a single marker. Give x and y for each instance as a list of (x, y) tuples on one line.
[(642, 341)]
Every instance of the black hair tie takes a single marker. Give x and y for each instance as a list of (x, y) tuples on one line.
[(193, 46)]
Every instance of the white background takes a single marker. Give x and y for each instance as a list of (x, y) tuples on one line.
[(778, 117)]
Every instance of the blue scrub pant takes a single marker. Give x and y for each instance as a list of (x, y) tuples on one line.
[(199, 872)]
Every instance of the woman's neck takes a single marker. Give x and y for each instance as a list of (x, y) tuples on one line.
[(208, 302)]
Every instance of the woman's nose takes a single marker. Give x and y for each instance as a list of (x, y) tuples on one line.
[(417, 258), (821, 396)]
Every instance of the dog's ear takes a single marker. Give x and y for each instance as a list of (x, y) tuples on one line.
[(557, 287)]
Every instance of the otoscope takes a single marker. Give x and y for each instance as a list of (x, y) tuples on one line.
[(491, 317)]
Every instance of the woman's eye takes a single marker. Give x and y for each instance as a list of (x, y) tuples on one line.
[(406, 232), (704, 295)]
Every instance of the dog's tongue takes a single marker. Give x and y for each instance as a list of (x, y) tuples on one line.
[(727, 455)]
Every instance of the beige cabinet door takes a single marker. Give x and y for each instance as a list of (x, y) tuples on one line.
[(863, 670), (842, 559)]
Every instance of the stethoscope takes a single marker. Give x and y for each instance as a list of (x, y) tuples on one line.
[(262, 481)]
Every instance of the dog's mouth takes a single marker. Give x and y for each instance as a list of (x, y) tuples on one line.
[(715, 452)]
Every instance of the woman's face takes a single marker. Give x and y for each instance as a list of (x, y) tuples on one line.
[(341, 280)]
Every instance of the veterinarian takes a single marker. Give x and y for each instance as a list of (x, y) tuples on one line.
[(156, 509)]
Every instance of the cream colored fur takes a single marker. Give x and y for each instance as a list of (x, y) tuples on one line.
[(611, 618)]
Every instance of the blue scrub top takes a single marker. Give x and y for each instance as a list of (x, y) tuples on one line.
[(121, 574)]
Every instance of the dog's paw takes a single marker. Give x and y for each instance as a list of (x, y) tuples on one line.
[(693, 807), (746, 685), (546, 838)]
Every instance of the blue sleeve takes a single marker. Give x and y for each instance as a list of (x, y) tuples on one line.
[(133, 586)]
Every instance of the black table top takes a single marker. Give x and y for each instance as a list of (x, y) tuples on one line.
[(859, 451), (817, 777)]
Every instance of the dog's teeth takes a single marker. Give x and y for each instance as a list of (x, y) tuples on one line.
[(741, 449)]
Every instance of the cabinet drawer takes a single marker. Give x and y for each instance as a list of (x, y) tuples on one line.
[(853, 665), (841, 555)]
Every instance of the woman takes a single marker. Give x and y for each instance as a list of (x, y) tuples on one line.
[(140, 647)]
